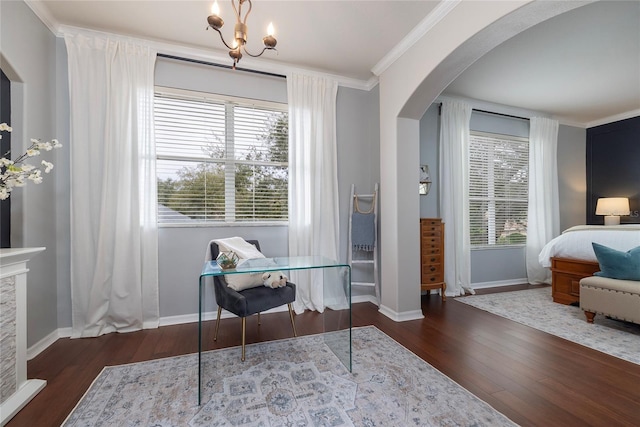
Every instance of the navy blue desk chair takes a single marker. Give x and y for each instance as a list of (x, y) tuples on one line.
[(250, 301)]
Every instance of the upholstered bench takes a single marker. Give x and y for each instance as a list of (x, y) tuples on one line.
[(615, 298)]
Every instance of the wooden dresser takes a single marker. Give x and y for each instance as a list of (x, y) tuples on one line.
[(432, 255), (565, 278)]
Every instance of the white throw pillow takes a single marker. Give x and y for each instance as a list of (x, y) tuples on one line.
[(245, 251)]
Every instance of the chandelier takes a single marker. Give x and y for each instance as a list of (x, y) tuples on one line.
[(240, 31)]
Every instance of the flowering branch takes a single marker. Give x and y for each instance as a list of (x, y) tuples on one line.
[(15, 173)]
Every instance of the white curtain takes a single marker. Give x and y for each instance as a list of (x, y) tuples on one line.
[(313, 188), (543, 217), (454, 195), (114, 271)]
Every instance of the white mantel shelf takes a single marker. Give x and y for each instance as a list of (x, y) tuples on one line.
[(13, 277)]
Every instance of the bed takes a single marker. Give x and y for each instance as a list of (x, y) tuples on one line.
[(570, 256)]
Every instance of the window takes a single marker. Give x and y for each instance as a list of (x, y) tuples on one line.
[(220, 159), (498, 189)]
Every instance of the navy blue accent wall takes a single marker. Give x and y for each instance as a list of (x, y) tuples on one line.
[(613, 167)]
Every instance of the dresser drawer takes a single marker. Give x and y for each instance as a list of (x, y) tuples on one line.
[(431, 259), (431, 268), (431, 240), (432, 278), (430, 222), (430, 250)]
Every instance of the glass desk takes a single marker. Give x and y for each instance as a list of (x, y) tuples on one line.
[(336, 279)]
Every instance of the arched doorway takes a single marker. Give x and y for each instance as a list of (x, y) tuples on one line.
[(407, 88)]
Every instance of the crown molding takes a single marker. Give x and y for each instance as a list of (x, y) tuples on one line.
[(438, 13), (614, 118), (44, 15)]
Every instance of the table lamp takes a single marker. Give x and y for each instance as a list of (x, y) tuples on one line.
[(612, 208)]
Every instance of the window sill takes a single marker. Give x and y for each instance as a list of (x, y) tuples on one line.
[(496, 247), (223, 224)]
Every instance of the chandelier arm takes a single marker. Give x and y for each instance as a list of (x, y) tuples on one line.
[(248, 12), (222, 38), (261, 52), (235, 9)]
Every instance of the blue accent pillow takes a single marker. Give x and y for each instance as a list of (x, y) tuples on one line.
[(616, 264)]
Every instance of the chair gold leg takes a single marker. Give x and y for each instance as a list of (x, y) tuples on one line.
[(259, 320), (244, 328), (215, 337), (293, 323)]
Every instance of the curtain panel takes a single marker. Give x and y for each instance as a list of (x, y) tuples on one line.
[(313, 188), (114, 271), (454, 195), (543, 216)]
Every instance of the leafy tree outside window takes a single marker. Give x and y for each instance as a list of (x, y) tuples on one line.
[(220, 159)]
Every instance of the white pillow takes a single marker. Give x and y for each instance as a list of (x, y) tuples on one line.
[(245, 251)]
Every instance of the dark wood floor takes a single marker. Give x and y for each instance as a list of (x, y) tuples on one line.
[(533, 378)]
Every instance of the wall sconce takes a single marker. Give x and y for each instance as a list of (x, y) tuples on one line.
[(425, 180), (612, 208)]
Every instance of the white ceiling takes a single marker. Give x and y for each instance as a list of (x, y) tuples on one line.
[(582, 67)]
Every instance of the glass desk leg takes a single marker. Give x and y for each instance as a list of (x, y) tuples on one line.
[(337, 315), (200, 298)]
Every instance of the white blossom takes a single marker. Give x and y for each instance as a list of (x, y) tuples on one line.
[(47, 166), (15, 173), (36, 176), (15, 181), (46, 146)]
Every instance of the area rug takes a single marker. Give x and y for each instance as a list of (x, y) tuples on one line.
[(535, 308), (292, 382)]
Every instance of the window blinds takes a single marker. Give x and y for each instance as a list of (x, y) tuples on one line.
[(220, 160), (498, 189)]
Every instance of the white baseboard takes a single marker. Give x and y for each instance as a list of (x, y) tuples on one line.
[(209, 315), (510, 282), (45, 342), (364, 298), (401, 316)]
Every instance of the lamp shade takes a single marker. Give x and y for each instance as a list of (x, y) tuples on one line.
[(613, 206)]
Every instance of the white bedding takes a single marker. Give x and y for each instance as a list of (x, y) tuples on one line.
[(575, 242)]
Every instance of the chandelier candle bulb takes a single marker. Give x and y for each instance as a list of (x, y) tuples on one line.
[(214, 19)]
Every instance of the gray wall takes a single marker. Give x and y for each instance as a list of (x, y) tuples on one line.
[(429, 155), (28, 52), (572, 176), (358, 135), (495, 266)]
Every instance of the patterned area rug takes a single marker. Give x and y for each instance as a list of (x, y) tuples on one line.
[(535, 308), (293, 382)]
